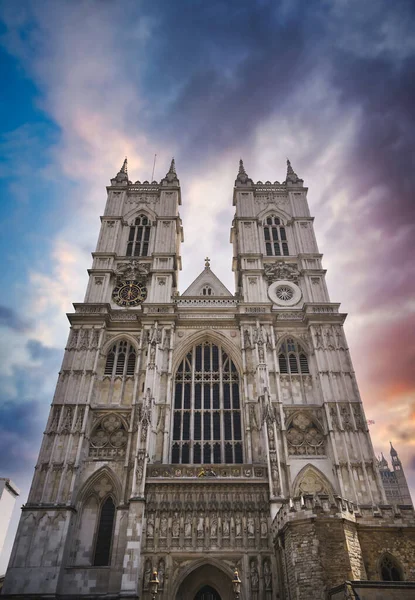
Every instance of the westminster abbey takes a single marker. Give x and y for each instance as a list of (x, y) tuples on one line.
[(204, 437)]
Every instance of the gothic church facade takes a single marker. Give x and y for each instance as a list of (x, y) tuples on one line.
[(198, 433)]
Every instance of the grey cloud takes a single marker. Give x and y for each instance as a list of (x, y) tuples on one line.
[(10, 319)]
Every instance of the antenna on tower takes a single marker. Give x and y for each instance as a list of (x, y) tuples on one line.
[(154, 166)]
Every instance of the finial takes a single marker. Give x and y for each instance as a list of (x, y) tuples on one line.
[(242, 176), (207, 263), (124, 168), (393, 451), (292, 176)]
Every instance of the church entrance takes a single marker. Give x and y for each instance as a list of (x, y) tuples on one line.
[(206, 582), (207, 593)]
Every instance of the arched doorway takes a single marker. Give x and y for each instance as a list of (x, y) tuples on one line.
[(206, 582), (207, 593)]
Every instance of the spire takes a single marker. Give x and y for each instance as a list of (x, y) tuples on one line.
[(393, 451), (171, 175), (121, 177), (124, 168), (242, 176), (292, 176)]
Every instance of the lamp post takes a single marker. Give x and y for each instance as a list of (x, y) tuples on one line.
[(154, 585), (236, 584)]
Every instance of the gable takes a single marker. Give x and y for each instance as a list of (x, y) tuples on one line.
[(207, 284)]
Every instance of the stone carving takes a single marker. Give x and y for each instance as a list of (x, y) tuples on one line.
[(254, 576), (304, 437), (238, 526), (163, 526), (188, 526), (140, 467), (250, 525), (160, 572), (266, 568), (200, 526), (334, 418), (148, 569), (225, 526), (346, 418), (73, 339), (264, 527), (150, 526), (247, 339), (281, 271), (132, 270), (213, 526), (67, 420), (108, 438), (312, 483), (103, 487), (252, 418), (358, 417), (175, 527)]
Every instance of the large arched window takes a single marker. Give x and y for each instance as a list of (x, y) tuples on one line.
[(275, 237), (120, 360), (139, 237), (390, 569), (102, 554), (292, 358), (207, 408)]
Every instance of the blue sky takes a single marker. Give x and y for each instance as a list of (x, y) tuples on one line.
[(328, 84)]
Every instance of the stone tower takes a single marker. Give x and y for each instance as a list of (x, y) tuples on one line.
[(394, 481), (200, 433)]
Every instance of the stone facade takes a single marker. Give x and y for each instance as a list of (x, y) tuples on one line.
[(197, 433)]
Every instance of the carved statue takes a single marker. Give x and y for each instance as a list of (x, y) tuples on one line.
[(264, 527), (150, 526), (200, 524), (251, 526), (160, 573), (214, 526), (254, 575), (188, 526), (267, 575), (238, 526), (147, 574), (176, 527), (225, 526), (163, 526)]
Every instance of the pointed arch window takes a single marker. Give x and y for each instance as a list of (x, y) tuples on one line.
[(120, 360), (292, 358), (102, 554), (207, 425), (275, 237), (139, 237), (390, 569)]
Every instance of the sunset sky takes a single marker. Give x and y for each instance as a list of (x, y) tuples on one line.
[(329, 84)]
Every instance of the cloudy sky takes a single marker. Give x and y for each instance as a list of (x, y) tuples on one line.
[(328, 84)]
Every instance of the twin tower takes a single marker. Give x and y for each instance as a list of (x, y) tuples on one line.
[(197, 433)]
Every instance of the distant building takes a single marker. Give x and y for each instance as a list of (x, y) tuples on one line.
[(394, 480), (8, 495)]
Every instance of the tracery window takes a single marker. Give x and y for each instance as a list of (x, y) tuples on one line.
[(102, 554), (389, 569), (120, 360), (275, 237), (206, 408), (292, 358), (139, 237)]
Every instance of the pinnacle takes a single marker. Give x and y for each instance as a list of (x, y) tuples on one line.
[(124, 168), (292, 176), (242, 176), (172, 166)]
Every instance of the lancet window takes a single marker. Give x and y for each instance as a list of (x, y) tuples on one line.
[(139, 237), (102, 554), (292, 358), (207, 408), (275, 237), (120, 360), (207, 291)]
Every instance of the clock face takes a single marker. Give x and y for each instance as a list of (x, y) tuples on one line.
[(129, 293)]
